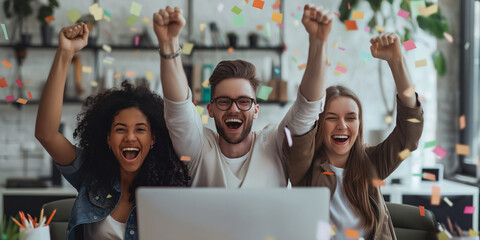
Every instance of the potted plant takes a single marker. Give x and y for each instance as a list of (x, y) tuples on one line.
[(20, 9), (45, 11)]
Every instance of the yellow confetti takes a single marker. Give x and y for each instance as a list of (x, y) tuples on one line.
[(380, 29), (22, 100), (472, 233), (185, 158), (357, 15), (413, 120), (404, 154), (86, 69), (421, 63), (199, 110), (388, 119), (146, 20), (187, 48), (205, 119), (106, 48), (93, 83), (109, 196), (205, 83), (149, 75), (448, 201)]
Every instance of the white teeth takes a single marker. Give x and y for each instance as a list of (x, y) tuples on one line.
[(233, 120), (340, 136), (131, 149)]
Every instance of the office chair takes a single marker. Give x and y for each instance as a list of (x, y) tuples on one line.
[(59, 223), (409, 224)]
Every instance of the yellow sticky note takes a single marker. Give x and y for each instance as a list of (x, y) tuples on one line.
[(379, 28), (435, 198), (205, 83), (130, 73), (357, 15), (22, 100), (404, 154), (413, 120), (205, 119), (199, 110), (277, 17), (187, 48), (86, 69), (461, 122), (149, 75), (421, 63), (462, 149), (185, 158)]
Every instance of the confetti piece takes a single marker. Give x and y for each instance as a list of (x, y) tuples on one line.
[(418, 175), (86, 69), (3, 83), (448, 201), (238, 21), (236, 10), (267, 31), (348, 4), (205, 83), (117, 75), (357, 15), (340, 69), (430, 144), (302, 66), (276, 70), (187, 48), (107, 61), (93, 83), (461, 122), (220, 7), (137, 40), (376, 182), (6, 63), (199, 110), (443, 236), (379, 29), (430, 10), (366, 56), (259, 27), (106, 48), (145, 20), (4, 31), (404, 154), (19, 82), (328, 173), (429, 176), (351, 25), (467, 45), (96, 11), (10, 98), (130, 73), (388, 119), (258, 4), (185, 158), (288, 134), (351, 233), (367, 29), (341, 49), (74, 15), (462, 149), (130, 21), (277, 17), (409, 45), (448, 37), (469, 210), (435, 198), (49, 19), (332, 233), (276, 6), (264, 92), (135, 9), (413, 120), (205, 119), (472, 233), (30, 96), (439, 151), (403, 14), (22, 100), (106, 13), (409, 91), (230, 50), (422, 211), (109, 196), (149, 75), (421, 63)]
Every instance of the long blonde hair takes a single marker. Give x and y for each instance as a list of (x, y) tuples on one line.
[(357, 179)]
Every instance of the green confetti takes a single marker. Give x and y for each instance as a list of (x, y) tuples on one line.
[(264, 92), (236, 10), (431, 144), (131, 20), (238, 21)]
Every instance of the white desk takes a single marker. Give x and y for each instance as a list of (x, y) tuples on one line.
[(397, 192)]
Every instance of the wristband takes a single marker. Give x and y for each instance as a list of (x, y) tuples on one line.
[(170, 56)]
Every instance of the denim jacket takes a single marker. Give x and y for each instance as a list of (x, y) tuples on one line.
[(94, 202)]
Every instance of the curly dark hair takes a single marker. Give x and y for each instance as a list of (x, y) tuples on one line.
[(161, 167)]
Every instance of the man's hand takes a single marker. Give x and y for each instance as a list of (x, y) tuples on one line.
[(317, 22), (167, 24), (73, 38), (386, 47)]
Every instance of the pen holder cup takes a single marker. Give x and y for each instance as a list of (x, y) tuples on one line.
[(42, 233)]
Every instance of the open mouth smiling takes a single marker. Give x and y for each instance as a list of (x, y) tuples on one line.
[(233, 123), (130, 153)]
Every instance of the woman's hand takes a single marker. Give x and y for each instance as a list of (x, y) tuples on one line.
[(167, 24), (386, 47), (317, 22), (73, 38)]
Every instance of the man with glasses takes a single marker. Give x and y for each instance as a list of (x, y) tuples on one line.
[(234, 156)]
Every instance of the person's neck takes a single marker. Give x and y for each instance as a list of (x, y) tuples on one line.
[(336, 160), (126, 180), (236, 150)]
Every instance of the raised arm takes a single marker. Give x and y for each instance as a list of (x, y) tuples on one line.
[(71, 40), (387, 47), (168, 24), (318, 23)]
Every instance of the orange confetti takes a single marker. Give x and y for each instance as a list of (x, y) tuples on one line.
[(22, 100), (117, 75), (429, 176), (276, 6), (462, 149), (7, 64), (277, 17), (30, 96), (376, 182), (130, 73), (351, 233), (258, 4), (435, 198), (422, 210), (259, 27), (230, 50), (328, 173), (351, 25), (49, 19), (3, 83), (300, 67), (185, 158), (461, 122)]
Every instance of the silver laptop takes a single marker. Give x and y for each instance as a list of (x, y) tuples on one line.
[(233, 214)]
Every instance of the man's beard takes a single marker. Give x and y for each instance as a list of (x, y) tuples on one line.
[(246, 130)]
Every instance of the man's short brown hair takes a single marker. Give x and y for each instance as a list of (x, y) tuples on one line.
[(234, 69)]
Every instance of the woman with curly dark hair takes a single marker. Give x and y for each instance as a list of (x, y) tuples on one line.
[(124, 144)]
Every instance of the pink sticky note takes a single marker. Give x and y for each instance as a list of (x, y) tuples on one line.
[(10, 98), (403, 13), (289, 136), (340, 69), (20, 83), (469, 210), (409, 45), (439, 151), (367, 29)]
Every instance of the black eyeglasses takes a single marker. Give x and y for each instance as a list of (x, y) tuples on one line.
[(225, 103)]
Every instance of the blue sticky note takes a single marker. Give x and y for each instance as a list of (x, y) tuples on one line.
[(5, 31), (238, 20), (264, 92)]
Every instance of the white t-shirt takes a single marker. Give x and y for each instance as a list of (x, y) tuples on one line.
[(342, 214), (108, 228), (264, 163)]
